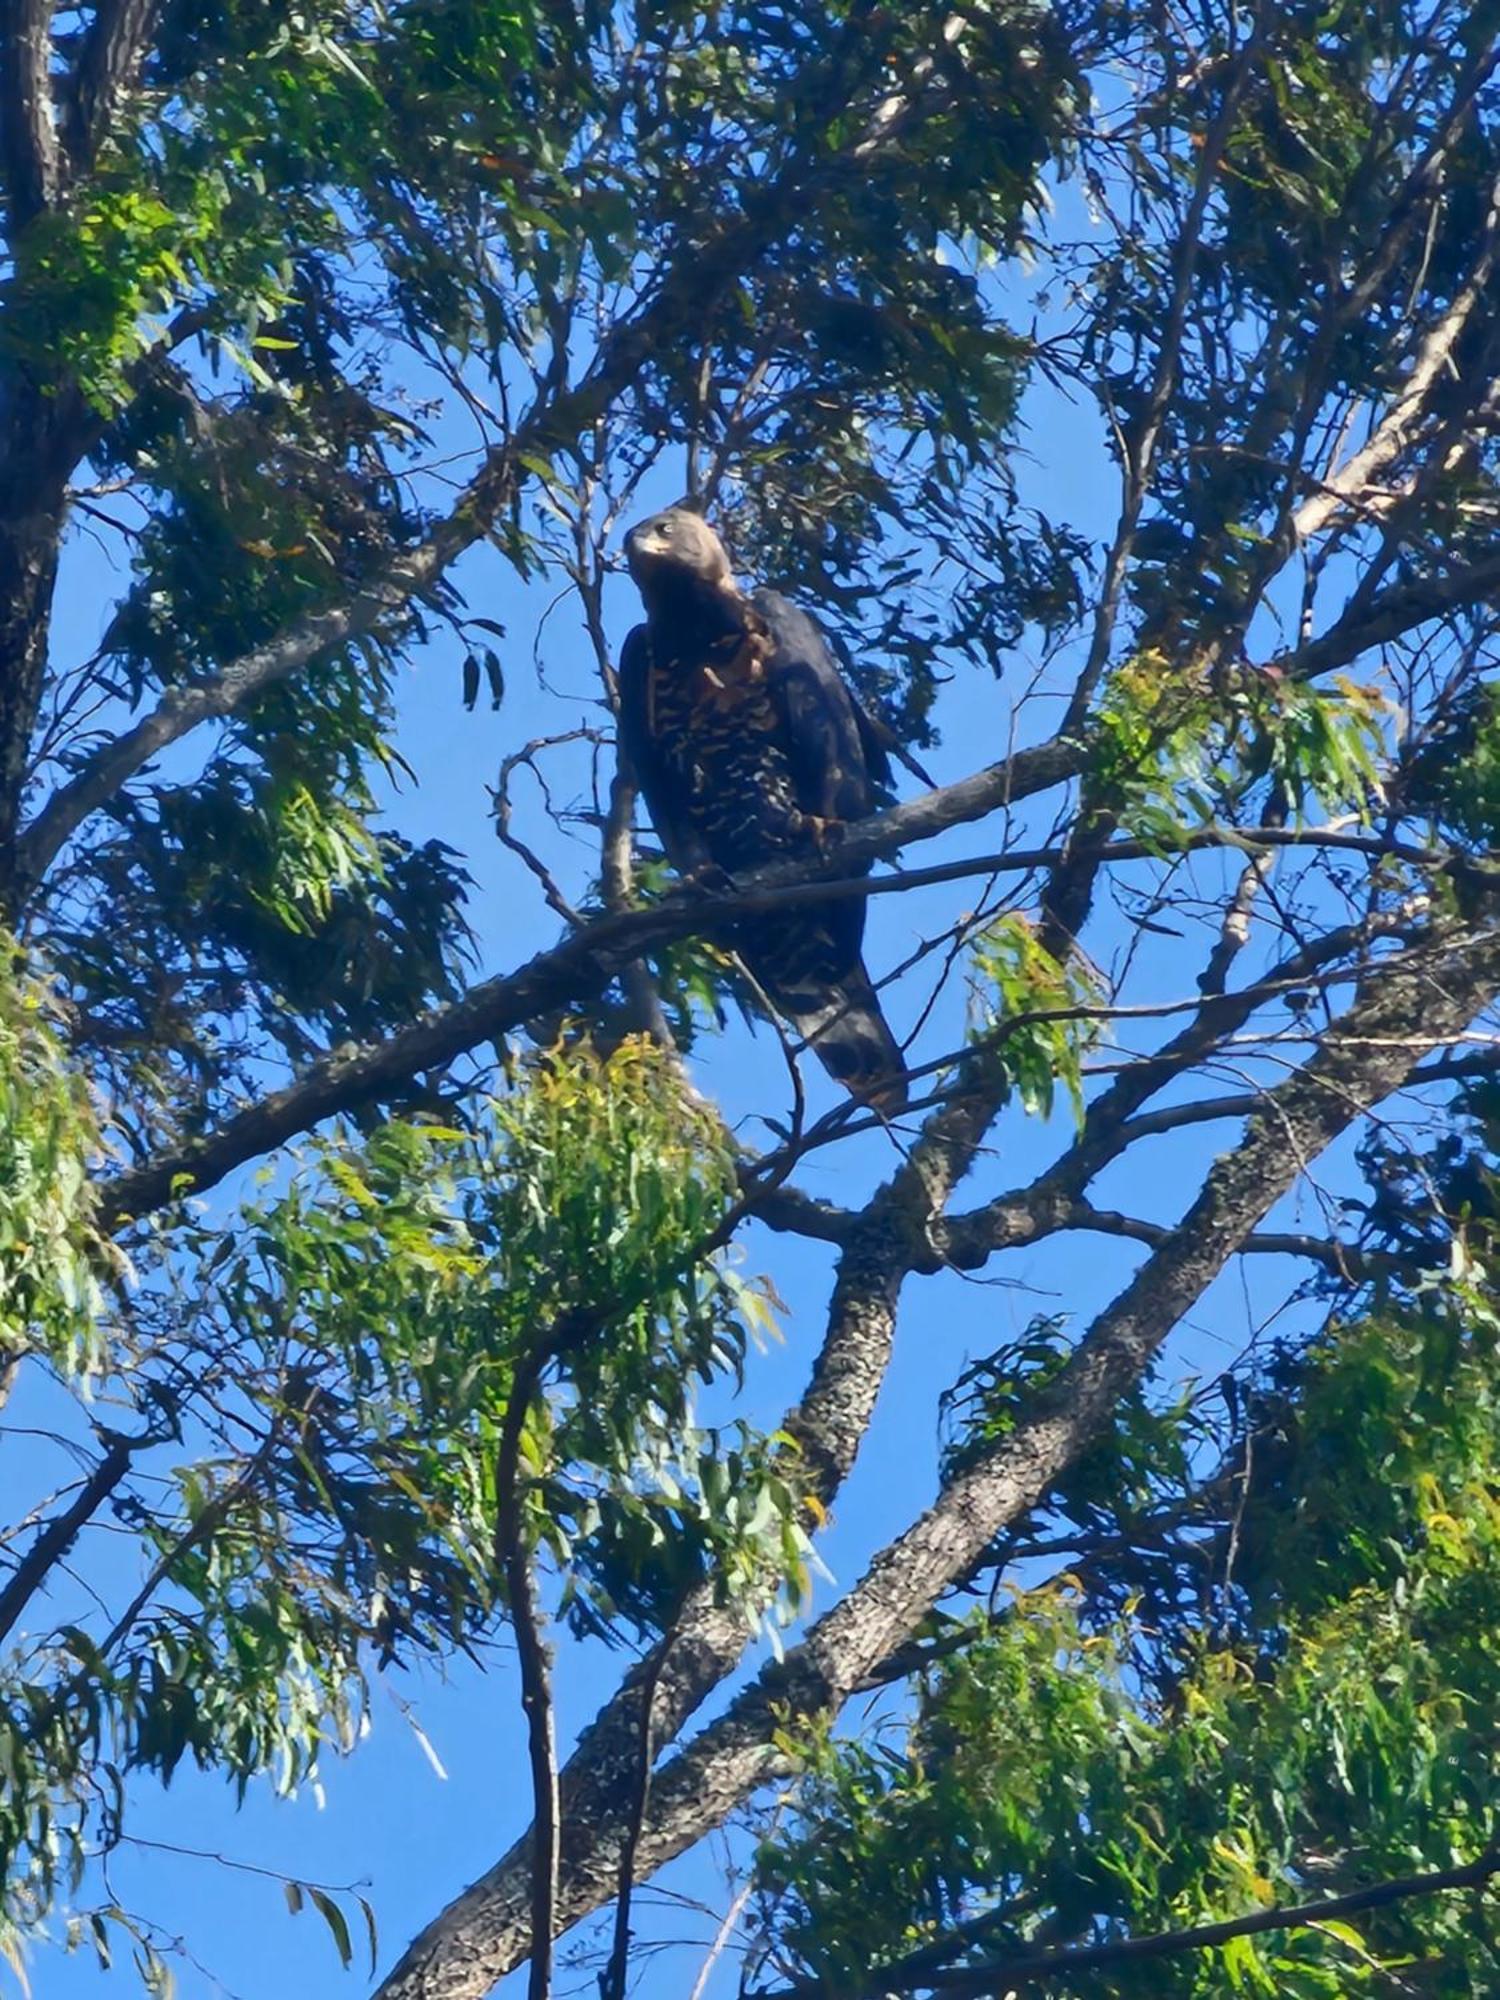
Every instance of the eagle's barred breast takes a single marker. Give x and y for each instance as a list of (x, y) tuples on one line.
[(719, 730), (749, 748)]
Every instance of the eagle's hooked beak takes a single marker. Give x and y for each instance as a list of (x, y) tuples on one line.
[(643, 546)]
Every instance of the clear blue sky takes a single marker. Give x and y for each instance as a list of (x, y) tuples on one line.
[(386, 1819)]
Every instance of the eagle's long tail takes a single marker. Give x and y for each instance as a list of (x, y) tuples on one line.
[(843, 1025)]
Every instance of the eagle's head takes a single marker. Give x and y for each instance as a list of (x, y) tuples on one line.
[(677, 542)]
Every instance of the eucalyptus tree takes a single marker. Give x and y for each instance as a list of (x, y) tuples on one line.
[(317, 318)]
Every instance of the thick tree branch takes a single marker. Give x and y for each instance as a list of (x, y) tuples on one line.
[(1393, 615), (28, 143), (792, 1212), (1410, 1005), (1352, 480), (583, 963), (571, 971), (33, 494)]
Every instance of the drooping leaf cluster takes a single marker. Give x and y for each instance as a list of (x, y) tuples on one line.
[(51, 1256), (1176, 754), (1029, 1015), (312, 1443)]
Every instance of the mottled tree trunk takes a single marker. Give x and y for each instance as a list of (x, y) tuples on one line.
[(33, 496)]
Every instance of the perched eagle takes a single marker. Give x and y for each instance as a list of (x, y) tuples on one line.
[(749, 748)]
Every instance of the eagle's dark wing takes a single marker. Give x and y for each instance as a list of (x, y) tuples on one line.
[(810, 961), (837, 760), (660, 784)]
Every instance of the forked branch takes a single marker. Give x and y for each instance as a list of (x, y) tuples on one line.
[(1439, 983)]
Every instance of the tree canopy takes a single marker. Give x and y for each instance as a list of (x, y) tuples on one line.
[(398, 1223)]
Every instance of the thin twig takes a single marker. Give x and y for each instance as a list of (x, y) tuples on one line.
[(501, 805), (612, 1979), (514, 1557)]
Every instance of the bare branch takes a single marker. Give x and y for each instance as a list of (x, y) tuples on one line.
[(1113, 1121), (614, 1980), (1345, 1260), (1139, 452), (516, 1563), (721, 1937), (584, 963), (1068, 895), (1353, 480), (60, 1533), (1234, 930), (501, 800)]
